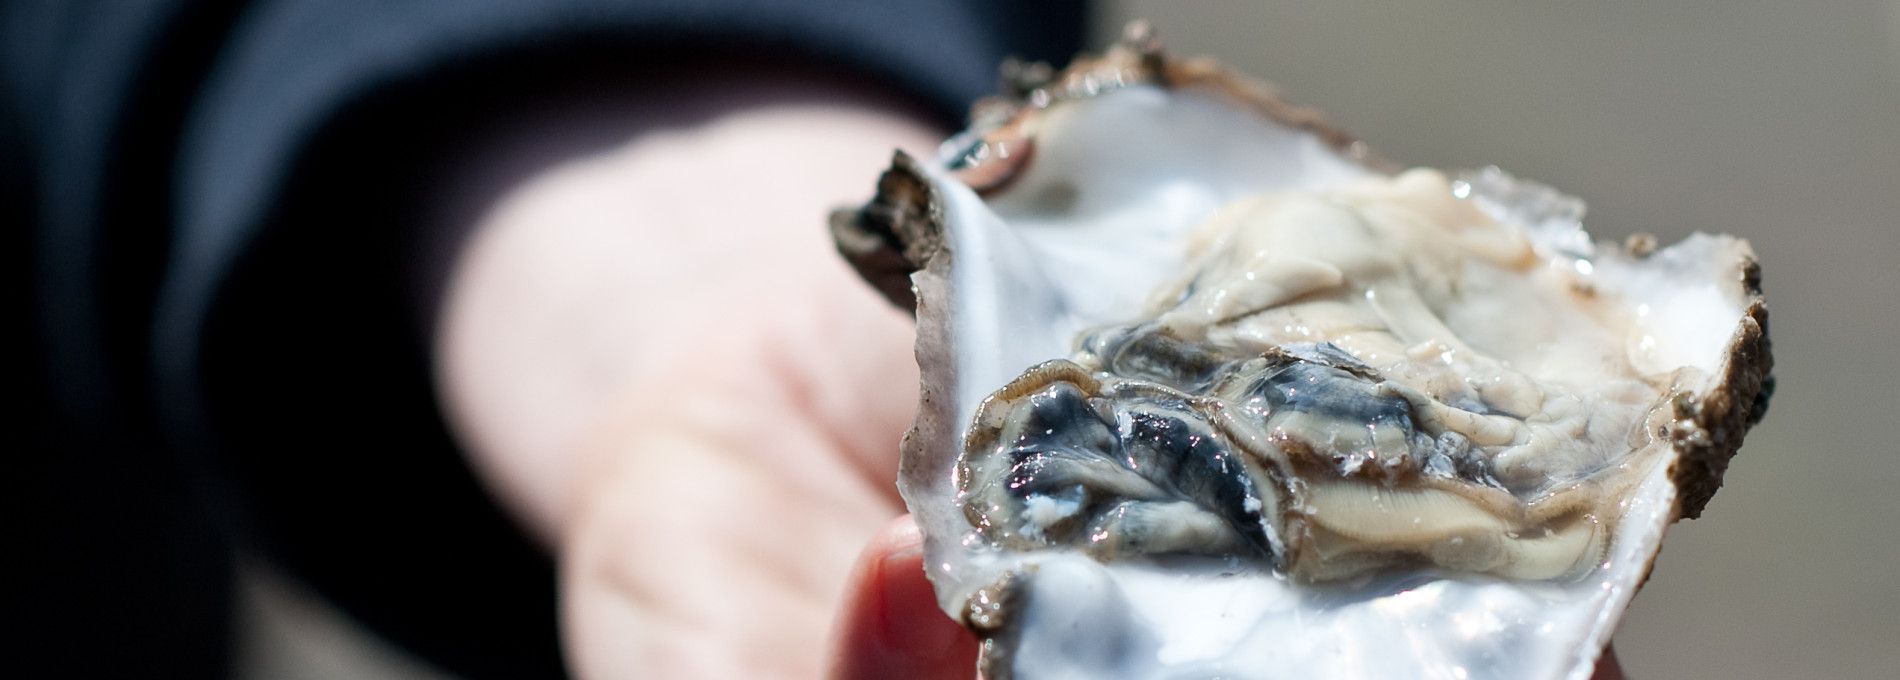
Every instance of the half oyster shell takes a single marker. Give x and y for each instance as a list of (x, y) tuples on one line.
[(1210, 391)]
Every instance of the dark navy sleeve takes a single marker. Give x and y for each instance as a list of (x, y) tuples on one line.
[(224, 194)]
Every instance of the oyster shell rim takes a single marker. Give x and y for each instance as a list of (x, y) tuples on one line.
[(897, 243)]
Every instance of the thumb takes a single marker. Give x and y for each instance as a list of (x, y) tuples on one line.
[(890, 626)]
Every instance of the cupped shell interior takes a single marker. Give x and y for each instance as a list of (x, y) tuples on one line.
[(1082, 236)]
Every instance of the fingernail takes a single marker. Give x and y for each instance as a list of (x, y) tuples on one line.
[(910, 622)]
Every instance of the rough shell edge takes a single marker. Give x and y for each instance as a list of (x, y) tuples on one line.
[(896, 242)]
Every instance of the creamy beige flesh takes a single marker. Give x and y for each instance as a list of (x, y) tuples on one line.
[(1494, 404)]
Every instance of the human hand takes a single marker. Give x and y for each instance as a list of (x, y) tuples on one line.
[(660, 363), (721, 502)]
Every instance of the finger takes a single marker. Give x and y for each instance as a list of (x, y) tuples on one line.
[(1608, 668), (890, 626)]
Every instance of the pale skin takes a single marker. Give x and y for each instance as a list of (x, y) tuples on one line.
[(656, 361)]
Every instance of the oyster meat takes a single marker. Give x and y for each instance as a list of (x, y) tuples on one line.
[(1211, 391)]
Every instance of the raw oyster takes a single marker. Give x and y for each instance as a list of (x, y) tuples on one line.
[(1209, 391)]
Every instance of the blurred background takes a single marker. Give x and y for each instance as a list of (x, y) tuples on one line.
[(1775, 121)]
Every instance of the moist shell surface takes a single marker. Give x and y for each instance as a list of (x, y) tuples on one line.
[(1079, 207)]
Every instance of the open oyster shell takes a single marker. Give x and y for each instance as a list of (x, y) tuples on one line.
[(1211, 391)]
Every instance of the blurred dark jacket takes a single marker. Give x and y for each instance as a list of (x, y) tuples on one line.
[(208, 244)]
